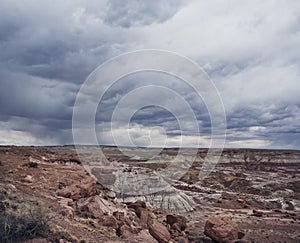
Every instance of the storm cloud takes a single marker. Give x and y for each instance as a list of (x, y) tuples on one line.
[(249, 49)]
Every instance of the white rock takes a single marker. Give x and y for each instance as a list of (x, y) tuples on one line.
[(28, 179)]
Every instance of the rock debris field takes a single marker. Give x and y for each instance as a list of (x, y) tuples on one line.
[(50, 194)]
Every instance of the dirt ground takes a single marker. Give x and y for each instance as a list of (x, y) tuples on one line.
[(259, 190)]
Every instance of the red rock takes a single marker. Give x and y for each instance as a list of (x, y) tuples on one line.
[(94, 209), (89, 186), (176, 227), (108, 221), (124, 231), (221, 229), (159, 232), (121, 219), (85, 188), (182, 240), (176, 222), (136, 205), (144, 216)]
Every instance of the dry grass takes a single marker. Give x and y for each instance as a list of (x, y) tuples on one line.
[(21, 219)]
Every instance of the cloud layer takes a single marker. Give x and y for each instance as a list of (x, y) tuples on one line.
[(249, 49)]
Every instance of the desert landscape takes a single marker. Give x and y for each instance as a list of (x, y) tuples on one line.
[(47, 195), (149, 121)]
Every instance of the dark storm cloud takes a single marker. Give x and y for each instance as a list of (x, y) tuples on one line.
[(36, 106), (156, 116), (28, 96), (54, 40), (45, 46), (250, 50), (276, 124)]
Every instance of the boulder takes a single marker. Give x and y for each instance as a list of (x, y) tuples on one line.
[(136, 205), (108, 221), (124, 231), (221, 229), (159, 232), (85, 188), (176, 222), (144, 216), (93, 208)]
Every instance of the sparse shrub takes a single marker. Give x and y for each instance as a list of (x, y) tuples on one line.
[(31, 165), (21, 220)]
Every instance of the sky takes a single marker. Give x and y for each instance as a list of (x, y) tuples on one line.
[(249, 49)]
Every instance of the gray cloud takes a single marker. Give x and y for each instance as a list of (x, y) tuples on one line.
[(130, 13), (250, 50)]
